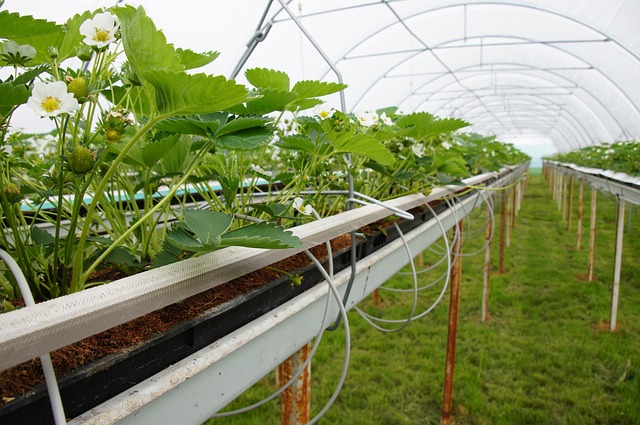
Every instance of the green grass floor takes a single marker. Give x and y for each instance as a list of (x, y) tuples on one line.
[(544, 357)]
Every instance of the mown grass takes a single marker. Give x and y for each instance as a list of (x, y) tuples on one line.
[(544, 357)]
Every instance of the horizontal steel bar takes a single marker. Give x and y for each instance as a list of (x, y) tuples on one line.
[(195, 388), (603, 180)]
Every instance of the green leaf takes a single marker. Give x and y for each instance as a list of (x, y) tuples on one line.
[(178, 93), (296, 142), (191, 125), (311, 88), (145, 46), (134, 99), (261, 235), (13, 95), (421, 125), (269, 101), (180, 237), (41, 237), (365, 145), (177, 158), (301, 105), (13, 26), (246, 140), (72, 37), (208, 226), (242, 123), (153, 152), (192, 60), (264, 78)]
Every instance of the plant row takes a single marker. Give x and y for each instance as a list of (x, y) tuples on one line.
[(622, 157), (151, 161)]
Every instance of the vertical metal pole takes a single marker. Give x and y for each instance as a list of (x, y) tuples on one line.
[(570, 206), (560, 192), (514, 194), (508, 220), (503, 217), (295, 401), (456, 272), (580, 208), (592, 234), (617, 267), (563, 200), (376, 297), (487, 269), (519, 191)]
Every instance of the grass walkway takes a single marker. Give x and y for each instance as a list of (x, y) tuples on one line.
[(543, 358)]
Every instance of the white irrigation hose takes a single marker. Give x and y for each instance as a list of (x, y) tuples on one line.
[(446, 283), (491, 219), (369, 318), (329, 278), (47, 367)]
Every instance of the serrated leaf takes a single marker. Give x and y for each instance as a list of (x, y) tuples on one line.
[(189, 125), (310, 88), (365, 145), (301, 105), (153, 152), (261, 235), (14, 26), (179, 237), (421, 125), (134, 99), (297, 142), (72, 37), (177, 158), (146, 47), (242, 123), (270, 100), (41, 237), (264, 78), (193, 60), (246, 140), (12, 95), (178, 93), (208, 226)]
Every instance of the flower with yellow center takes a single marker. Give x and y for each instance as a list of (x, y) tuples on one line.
[(51, 99), (323, 111), (100, 31)]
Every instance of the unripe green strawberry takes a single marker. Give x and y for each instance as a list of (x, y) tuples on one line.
[(13, 193), (79, 87), (81, 160)]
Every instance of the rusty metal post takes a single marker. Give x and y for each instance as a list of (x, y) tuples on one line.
[(456, 273), (295, 401), (514, 194), (519, 191), (560, 190), (570, 206), (376, 297), (508, 221), (592, 234), (503, 217), (487, 269), (617, 267), (563, 198), (580, 207)]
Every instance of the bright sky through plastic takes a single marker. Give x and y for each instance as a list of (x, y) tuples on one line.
[(530, 71)]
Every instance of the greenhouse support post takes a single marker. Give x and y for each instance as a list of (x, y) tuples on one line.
[(514, 194), (456, 272), (503, 217), (615, 292), (508, 219), (592, 233), (563, 197), (487, 268), (580, 209), (570, 206), (295, 401)]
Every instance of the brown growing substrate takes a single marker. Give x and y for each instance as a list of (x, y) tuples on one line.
[(18, 380)]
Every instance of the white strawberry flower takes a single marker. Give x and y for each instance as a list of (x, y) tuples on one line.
[(418, 150), (100, 31), (385, 119), (323, 112), (446, 145), (367, 118), (258, 169), (51, 99), (298, 205)]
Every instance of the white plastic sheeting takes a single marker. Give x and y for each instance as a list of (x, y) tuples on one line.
[(565, 70)]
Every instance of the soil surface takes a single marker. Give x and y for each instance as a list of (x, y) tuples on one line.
[(18, 380)]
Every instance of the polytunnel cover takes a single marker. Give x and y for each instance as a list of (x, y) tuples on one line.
[(565, 71)]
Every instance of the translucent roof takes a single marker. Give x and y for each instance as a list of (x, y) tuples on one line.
[(564, 70)]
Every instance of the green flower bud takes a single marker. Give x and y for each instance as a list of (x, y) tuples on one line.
[(84, 53), (53, 52), (81, 160), (13, 193)]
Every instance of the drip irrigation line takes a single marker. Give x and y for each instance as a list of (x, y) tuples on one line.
[(343, 314), (369, 318), (47, 367), (446, 283)]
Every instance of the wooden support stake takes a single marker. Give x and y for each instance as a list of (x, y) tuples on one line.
[(456, 273), (580, 208), (514, 195), (617, 267), (503, 217), (570, 206), (592, 234), (487, 270), (560, 194), (295, 401)]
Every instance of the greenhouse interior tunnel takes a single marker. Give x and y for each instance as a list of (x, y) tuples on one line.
[(558, 80)]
